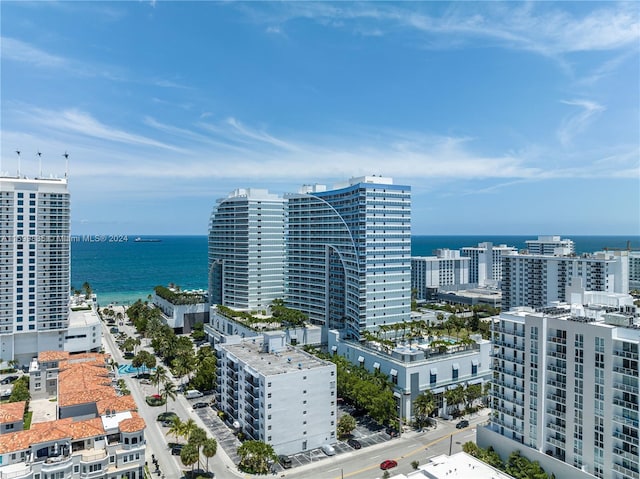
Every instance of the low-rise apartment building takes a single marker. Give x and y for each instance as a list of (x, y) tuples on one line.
[(276, 393), (415, 366)]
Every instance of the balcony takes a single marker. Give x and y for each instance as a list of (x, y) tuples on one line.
[(561, 443), (626, 420), (626, 387), (557, 413), (93, 455), (630, 456), (557, 427), (626, 472), (627, 371), (634, 440), (19, 470), (625, 404)]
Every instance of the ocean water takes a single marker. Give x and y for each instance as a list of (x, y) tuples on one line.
[(121, 270)]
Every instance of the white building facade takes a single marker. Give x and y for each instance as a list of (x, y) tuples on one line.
[(485, 267), (634, 270), (34, 266), (539, 280), (276, 393), (446, 268), (349, 253), (247, 250), (413, 369), (565, 387), (551, 245)]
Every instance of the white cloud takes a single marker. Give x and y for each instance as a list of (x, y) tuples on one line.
[(576, 123), (19, 51), (543, 28)]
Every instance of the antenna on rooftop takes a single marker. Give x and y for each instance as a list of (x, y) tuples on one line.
[(39, 164), (66, 164), (18, 152)]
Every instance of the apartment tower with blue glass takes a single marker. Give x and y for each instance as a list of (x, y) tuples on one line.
[(349, 254)]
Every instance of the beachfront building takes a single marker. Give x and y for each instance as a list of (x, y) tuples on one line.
[(565, 386), (418, 363), (537, 280), (349, 253), (277, 393), (246, 250), (456, 466), (485, 266), (551, 245), (634, 270), (445, 268), (181, 310), (34, 266), (96, 433)]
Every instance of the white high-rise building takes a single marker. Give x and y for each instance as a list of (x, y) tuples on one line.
[(634, 270), (34, 266), (446, 268), (485, 268), (276, 393), (553, 245), (538, 280), (247, 250), (566, 386), (349, 253)]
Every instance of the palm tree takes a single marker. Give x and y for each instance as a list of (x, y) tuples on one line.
[(209, 449), (168, 392), (255, 456), (177, 428), (189, 455), (189, 426), (159, 376), (197, 438), (423, 406)]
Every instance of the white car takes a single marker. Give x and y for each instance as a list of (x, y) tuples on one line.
[(328, 450)]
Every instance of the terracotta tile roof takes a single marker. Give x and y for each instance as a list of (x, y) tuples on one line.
[(51, 431), (117, 404), (133, 424), (82, 383), (12, 412), (46, 356)]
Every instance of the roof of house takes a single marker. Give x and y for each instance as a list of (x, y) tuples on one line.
[(116, 404), (46, 356), (81, 383), (136, 423), (12, 412)]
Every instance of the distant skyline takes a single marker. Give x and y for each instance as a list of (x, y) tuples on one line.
[(505, 118)]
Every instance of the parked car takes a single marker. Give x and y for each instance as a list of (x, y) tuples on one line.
[(328, 450), (145, 381), (176, 449), (462, 424), (388, 464), (391, 432), (167, 423), (114, 330), (193, 394), (354, 443), (199, 405), (8, 379), (285, 461), (167, 416)]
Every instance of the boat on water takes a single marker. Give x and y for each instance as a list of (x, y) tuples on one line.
[(146, 240)]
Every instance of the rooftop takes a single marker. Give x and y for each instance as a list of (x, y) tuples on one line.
[(12, 412), (253, 352), (458, 466)]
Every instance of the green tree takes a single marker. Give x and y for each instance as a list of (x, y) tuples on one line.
[(209, 449), (197, 438), (20, 391), (168, 392), (159, 376), (189, 455), (87, 289), (177, 428), (346, 424), (423, 406), (189, 426), (256, 457), (144, 359)]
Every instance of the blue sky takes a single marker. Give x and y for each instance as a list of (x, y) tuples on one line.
[(505, 118)]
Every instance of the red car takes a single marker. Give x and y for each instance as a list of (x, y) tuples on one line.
[(388, 464)]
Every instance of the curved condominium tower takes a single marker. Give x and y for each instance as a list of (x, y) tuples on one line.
[(349, 253)]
